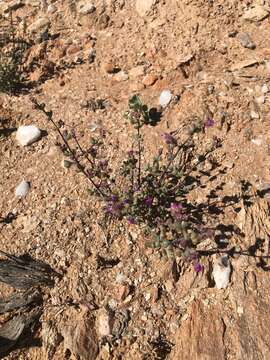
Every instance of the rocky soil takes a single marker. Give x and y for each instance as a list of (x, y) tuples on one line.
[(115, 298)]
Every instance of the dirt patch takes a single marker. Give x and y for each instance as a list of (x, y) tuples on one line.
[(85, 63)]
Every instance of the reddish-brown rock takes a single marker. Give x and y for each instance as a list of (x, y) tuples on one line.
[(149, 79)]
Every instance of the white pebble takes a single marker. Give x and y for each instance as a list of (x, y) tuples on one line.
[(51, 9), (26, 135), (120, 278), (254, 115), (265, 89), (260, 100), (165, 98), (257, 141), (221, 272), (104, 323), (22, 189)]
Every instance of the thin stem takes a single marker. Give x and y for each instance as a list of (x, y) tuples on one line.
[(82, 151), (79, 165), (171, 161), (132, 177), (199, 161), (139, 151)]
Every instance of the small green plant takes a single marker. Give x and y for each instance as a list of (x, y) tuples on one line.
[(11, 61), (152, 195)]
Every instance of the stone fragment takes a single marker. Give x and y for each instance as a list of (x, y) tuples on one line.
[(122, 292), (221, 272), (22, 189), (86, 7), (243, 64), (104, 326), (51, 9), (245, 41), (165, 98), (149, 79), (265, 89), (137, 71), (38, 25), (257, 13), (144, 6), (260, 99), (80, 336), (254, 115), (28, 134), (109, 67), (13, 5), (121, 76)]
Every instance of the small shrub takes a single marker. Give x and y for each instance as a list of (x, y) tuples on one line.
[(154, 195), (11, 61)]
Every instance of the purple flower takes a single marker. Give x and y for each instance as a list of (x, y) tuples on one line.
[(181, 243), (177, 211), (114, 198), (103, 184), (131, 220), (130, 153), (114, 206), (148, 201), (136, 187), (209, 123), (103, 164), (90, 173), (198, 267), (169, 139), (216, 142), (176, 206)]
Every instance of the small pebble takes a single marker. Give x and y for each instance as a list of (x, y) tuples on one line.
[(26, 135), (257, 141), (86, 8), (149, 79), (120, 278), (260, 100), (51, 9), (122, 292), (91, 56), (22, 189), (109, 68), (104, 323), (245, 41), (265, 89), (121, 76), (221, 272), (256, 13), (137, 71), (38, 25), (232, 33), (254, 115), (165, 98)]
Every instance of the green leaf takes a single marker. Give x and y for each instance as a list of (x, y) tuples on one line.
[(135, 102)]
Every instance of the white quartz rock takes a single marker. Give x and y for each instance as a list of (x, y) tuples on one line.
[(165, 98), (22, 189), (28, 134), (221, 272)]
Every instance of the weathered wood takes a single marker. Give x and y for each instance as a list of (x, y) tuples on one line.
[(20, 300), (13, 329), (24, 272), (29, 275)]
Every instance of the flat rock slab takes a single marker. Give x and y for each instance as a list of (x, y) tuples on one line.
[(144, 6), (257, 13), (38, 25)]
